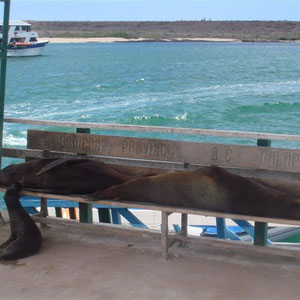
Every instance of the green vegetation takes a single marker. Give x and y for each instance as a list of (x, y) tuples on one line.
[(91, 34), (289, 38)]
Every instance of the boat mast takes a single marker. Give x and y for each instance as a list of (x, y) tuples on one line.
[(3, 58)]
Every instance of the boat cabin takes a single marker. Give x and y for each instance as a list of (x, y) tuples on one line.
[(19, 32)]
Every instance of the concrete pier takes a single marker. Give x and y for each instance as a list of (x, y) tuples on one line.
[(77, 263)]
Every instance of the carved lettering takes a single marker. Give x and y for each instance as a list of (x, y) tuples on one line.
[(150, 149), (84, 144), (138, 148), (295, 158), (287, 159), (214, 153), (228, 155), (124, 146), (264, 157), (279, 159), (131, 147)]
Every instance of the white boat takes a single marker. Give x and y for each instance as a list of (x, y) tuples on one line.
[(22, 41)]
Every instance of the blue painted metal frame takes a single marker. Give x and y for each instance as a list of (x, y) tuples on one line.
[(228, 233), (221, 228), (30, 204), (249, 229)]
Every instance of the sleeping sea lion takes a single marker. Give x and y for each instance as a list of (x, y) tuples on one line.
[(25, 238), (65, 176), (208, 188)]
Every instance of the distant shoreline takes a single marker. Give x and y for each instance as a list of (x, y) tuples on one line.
[(119, 39), (124, 40), (177, 31)]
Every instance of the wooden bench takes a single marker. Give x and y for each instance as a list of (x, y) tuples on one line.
[(250, 161)]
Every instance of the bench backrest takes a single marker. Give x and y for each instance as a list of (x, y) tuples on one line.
[(279, 160)]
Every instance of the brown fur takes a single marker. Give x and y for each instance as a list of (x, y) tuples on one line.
[(65, 176), (209, 188)]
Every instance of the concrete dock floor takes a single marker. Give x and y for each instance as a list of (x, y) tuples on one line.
[(83, 264)]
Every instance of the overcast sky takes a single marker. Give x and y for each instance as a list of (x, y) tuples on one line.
[(154, 10)]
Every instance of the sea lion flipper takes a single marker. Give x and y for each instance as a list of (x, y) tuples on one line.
[(17, 249), (8, 242), (59, 163)]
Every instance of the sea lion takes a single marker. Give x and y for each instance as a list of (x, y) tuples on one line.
[(65, 176), (25, 238), (208, 188)]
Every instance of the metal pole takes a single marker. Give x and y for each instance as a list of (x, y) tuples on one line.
[(261, 228), (3, 57)]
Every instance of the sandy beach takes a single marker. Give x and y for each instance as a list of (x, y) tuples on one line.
[(115, 39)]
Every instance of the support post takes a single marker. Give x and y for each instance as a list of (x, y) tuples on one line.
[(221, 228), (260, 234), (183, 232), (58, 212), (164, 234), (261, 228), (85, 213), (85, 209), (3, 58), (44, 211), (72, 213)]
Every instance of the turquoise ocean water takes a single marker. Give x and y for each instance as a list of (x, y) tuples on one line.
[(230, 86)]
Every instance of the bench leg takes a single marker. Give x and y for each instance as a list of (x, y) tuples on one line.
[(72, 213), (183, 232), (44, 211), (85, 213), (164, 234), (58, 212)]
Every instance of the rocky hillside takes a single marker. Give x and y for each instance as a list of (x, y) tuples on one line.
[(244, 30)]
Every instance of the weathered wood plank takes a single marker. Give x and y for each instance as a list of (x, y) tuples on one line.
[(159, 208), (159, 129), (165, 150)]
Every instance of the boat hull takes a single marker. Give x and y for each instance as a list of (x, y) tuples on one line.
[(28, 50)]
